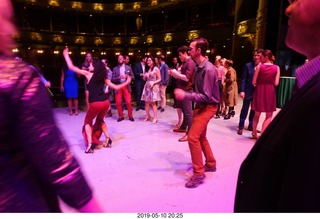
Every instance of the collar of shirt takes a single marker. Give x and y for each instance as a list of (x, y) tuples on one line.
[(202, 64), (307, 71)]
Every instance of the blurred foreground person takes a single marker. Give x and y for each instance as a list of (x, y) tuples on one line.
[(36, 165), (281, 173)]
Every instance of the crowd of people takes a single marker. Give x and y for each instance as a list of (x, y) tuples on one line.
[(278, 175)]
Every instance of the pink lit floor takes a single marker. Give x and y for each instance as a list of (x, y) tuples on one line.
[(146, 168)]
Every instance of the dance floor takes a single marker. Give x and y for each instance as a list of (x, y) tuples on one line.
[(146, 168)]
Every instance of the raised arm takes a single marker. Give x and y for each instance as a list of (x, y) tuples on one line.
[(71, 66)]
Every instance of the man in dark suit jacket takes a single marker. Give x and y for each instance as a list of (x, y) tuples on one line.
[(281, 172), (247, 90), (120, 74), (286, 69), (138, 71)]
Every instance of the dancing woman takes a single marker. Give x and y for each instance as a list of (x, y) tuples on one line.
[(98, 101)]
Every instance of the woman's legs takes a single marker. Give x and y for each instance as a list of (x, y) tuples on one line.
[(76, 104), (179, 112), (147, 108), (70, 106), (154, 107), (88, 130), (255, 124), (266, 121)]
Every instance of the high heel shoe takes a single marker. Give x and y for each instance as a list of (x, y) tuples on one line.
[(154, 121), (146, 119), (227, 116), (254, 136), (108, 143), (233, 113), (90, 150)]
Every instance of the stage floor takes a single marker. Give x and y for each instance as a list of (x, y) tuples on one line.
[(146, 168)]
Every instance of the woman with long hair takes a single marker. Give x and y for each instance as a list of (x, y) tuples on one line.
[(151, 90), (98, 101)]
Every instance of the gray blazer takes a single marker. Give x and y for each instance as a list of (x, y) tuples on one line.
[(116, 76)]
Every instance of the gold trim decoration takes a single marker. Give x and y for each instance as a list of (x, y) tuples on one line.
[(98, 41), (79, 40), (168, 37), (193, 34), (117, 41), (149, 39)]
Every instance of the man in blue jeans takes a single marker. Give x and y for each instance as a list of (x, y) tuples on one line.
[(247, 90)]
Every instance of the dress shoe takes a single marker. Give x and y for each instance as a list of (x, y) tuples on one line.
[(131, 119), (138, 108), (180, 130), (120, 119), (184, 138), (239, 132), (159, 108), (162, 110)]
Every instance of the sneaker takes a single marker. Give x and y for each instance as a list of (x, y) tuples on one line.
[(120, 119), (131, 119), (195, 181), (209, 169)]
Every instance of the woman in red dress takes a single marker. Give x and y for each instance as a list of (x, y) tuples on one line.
[(265, 78)]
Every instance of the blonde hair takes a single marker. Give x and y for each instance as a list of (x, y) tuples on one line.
[(8, 28)]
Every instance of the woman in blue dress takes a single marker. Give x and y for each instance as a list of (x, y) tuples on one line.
[(69, 85)]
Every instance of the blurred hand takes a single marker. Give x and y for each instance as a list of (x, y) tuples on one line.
[(66, 51), (179, 94), (48, 84), (242, 95)]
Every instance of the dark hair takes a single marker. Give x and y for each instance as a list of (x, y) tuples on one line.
[(229, 62), (183, 49), (259, 51), (201, 43), (99, 70), (269, 54), (154, 63), (161, 57)]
